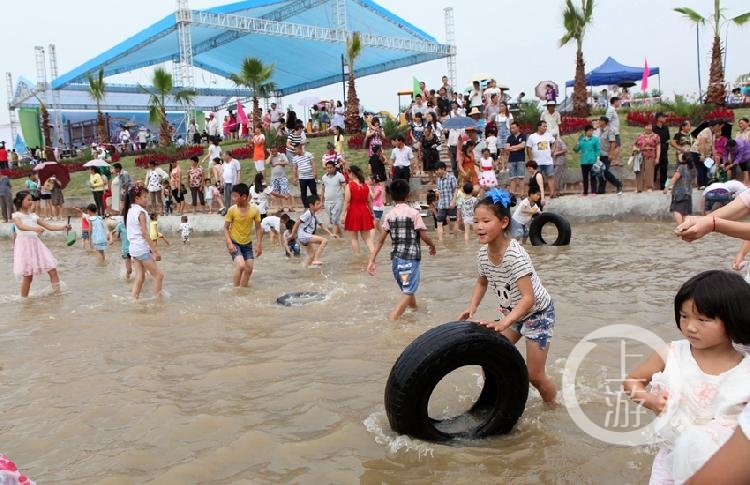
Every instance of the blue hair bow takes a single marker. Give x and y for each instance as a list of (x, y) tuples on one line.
[(500, 196)]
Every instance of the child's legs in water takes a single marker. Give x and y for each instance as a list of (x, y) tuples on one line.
[(536, 359), (54, 279), (26, 285), (321, 242), (100, 257), (140, 276), (243, 269), (678, 218), (153, 269), (128, 267)]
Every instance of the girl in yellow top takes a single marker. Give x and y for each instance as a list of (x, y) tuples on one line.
[(96, 182), (153, 230)]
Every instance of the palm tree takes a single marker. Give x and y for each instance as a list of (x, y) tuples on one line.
[(576, 21), (162, 86), (257, 78), (353, 50), (716, 93), (97, 91)]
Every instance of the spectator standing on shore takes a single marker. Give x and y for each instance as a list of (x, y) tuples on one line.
[(401, 157), (588, 146), (515, 148), (539, 149), (305, 173), (648, 144), (6, 199), (3, 157), (607, 145), (559, 163), (661, 129), (614, 125), (212, 126), (214, 152), (230, 176), (744, 133), (552, 118)]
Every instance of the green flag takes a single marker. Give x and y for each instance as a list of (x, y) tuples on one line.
[(416, 89)]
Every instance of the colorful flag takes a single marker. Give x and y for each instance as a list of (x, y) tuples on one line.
[(415, 89), (241, 116), (646, 74)]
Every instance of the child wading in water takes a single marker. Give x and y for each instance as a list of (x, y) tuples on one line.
[(122, 231), (142, 248), (304, 232), (241, 220), (98, 231), (699, 385), (465, 202), (406, 228), (153, 229), (682, 191), (186, 230), (30, 256), (527, 309)]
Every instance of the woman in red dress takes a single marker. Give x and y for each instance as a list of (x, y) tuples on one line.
[(357, 213)]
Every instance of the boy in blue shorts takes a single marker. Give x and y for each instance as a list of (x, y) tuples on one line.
[(406, 228), (240, 221)]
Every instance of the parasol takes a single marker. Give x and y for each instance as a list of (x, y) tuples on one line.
[(58, 170), (626, 84), (97, 162), (541, 89), (726, 129), (309, 101), (482, 76), (459, 123)]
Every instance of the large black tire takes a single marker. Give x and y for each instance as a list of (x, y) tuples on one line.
[(439, 352), (300, 298), (561, 223)]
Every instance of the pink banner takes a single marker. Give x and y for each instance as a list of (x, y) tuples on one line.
[(646, 74)]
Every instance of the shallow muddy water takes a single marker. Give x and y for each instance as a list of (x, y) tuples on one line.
[(216, 385)]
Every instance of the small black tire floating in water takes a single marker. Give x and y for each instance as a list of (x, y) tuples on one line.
[(561, 224), (437, 353), (298, 298)]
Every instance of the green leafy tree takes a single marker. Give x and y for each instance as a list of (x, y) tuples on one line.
[(257, 78), (351, 119), (97, 91), (575, 22), (162, 88), (716, 93)]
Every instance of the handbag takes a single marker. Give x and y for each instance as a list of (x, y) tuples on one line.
[(635, 162)]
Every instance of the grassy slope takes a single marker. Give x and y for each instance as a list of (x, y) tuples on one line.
[(316, 146)]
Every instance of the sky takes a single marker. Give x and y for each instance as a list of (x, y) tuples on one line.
[(517, 42)]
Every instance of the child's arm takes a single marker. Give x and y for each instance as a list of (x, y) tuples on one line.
[(373, 255), (428, 241), (48, 227), (293, 232), (111, 236), (523, 307), (672, 181), (228, 238), (22, 227), (635, 383), (480, 288), (258, 246), (740, 258)]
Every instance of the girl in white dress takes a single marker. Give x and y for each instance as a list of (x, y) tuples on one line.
[(700, 385), (487, 178)]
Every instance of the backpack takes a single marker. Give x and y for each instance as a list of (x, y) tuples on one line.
[(598, 169)]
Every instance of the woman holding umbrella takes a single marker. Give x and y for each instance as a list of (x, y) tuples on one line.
[(97, 185)]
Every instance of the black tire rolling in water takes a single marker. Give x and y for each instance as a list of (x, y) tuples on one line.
[(436, 354), (561, 224)]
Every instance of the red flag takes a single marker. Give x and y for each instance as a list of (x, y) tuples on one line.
[(646, 74)]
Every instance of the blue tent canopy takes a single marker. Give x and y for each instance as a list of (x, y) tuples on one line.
[(304, 39), (612, 72)]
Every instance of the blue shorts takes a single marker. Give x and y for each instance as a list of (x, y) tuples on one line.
[(144, 257), (377, 213), (518, 230), (538, 326), (516, 170), (84, 234), (450, 214), (716, 195), (547, 170), (244, 250), (406, 273)]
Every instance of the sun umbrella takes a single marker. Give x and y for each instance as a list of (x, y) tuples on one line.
[(97, 162), (459, 123), (541, 89), (39, 166), (58, 170), (626, 84), (726, 130), (482, 76), (309, 101)]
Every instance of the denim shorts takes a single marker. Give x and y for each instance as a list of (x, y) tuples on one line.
[(244, 250), (547, 170), (406, 273), (516, 170), (144, 257), (716, 195), (518, 230), (377, 213), (538, 327)]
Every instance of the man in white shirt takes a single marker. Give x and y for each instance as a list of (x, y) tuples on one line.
[(401, 157), (552, 117), (275, 114), (230, 176), (212, 126), (614, 125), (124, 138), (419, 106), (539, 149)]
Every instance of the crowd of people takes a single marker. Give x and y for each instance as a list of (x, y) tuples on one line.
[(708, 308)]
